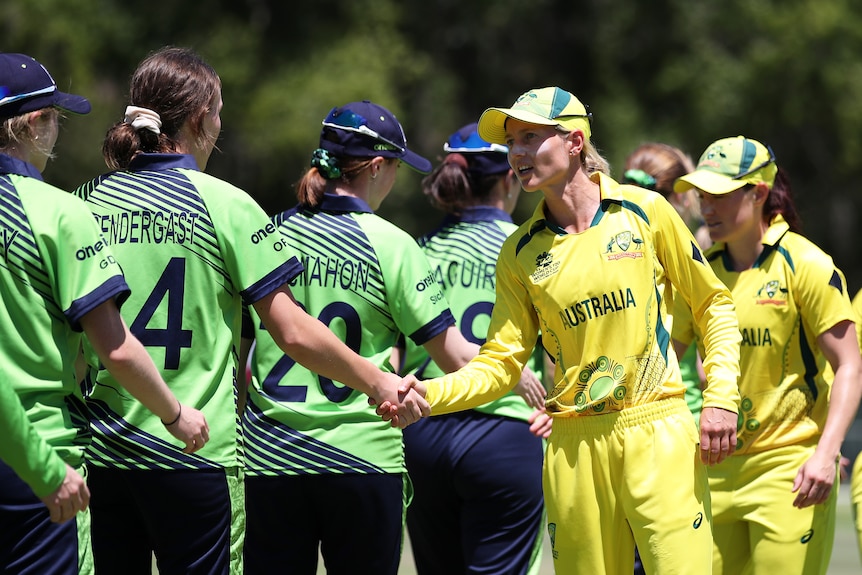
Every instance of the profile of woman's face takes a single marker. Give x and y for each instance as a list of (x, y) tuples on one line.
[(45, 129)]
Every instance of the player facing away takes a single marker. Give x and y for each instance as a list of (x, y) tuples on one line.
[(477, 475), (323, 470), (58, 280), (198, 248), (591, 270), (774, 501)]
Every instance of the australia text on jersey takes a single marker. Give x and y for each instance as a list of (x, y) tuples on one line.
[(597, 306)]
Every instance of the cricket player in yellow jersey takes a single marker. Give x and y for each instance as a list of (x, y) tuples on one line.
[(774, 500), (856, 474), (592, 271)]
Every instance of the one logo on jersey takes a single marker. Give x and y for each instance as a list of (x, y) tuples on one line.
[(545, 267), (746, 422), (807, 537), (624, 245), (600, 386), (771, 294), (552, 535), (697, 521)]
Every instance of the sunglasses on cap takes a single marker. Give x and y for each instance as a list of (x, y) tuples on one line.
[(353, 122), (9, 99), (760, 166)]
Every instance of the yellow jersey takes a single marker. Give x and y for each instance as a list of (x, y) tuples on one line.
[(601, 301), (792, 294)]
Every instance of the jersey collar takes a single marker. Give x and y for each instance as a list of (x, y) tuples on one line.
[(777, 229), (478, 214), (10, 165), (336, 203), (161, 162), (609, 192)]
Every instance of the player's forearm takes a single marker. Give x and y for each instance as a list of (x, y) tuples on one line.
[(320, 350), (480, 381), (313, 345), (721, 354), (128, 361), (843, 404), (134, 369), (24, 450)]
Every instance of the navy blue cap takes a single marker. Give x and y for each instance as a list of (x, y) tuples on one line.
[(26, 86), (364, 129), (483, 158)]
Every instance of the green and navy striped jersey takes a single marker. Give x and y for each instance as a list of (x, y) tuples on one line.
[(369, 282), (193, 249), (600, 300), (54, 269), (463, 254), (792, 294)]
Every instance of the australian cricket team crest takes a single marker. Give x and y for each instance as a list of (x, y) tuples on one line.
[(545, 267), (624, 245), (771, 293)]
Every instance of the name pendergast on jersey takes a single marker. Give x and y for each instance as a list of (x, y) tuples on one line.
[(148, 227)]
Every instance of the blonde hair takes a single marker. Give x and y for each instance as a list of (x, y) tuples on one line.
[(17, 129), (591, 159)]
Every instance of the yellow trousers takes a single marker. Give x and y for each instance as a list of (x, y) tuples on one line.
[(755, 525), (630, 477)]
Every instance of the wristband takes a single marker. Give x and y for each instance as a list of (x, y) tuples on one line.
[(176, 419)]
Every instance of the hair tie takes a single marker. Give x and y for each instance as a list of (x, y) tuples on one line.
[(326, 164), (143, 118), (639, 178), (456, 159)]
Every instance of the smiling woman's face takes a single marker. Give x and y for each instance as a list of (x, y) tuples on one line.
[(727, 215), (539, 155)]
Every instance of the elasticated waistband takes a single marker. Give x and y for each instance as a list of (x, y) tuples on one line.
[(616, 420)]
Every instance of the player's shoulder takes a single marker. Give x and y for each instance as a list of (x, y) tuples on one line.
[(381, 229), (46, 198), (802, 254), (207, 184)]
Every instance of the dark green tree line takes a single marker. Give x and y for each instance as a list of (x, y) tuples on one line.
[(683, 72)]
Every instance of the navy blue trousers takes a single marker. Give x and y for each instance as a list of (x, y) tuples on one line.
[(29, 543), (477, 504), (181, 516)]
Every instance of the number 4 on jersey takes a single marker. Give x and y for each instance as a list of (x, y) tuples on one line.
[(172, 337)]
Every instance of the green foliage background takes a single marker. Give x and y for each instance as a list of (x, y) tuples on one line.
[(685, 72)]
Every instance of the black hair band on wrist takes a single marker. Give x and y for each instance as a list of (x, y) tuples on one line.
[(176, 419)]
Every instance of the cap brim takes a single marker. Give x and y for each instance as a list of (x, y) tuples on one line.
[(72, 103), (492, 123), (708, 181), (417, 162)]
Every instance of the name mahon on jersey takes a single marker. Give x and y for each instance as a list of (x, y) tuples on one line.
[(333, 272)]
